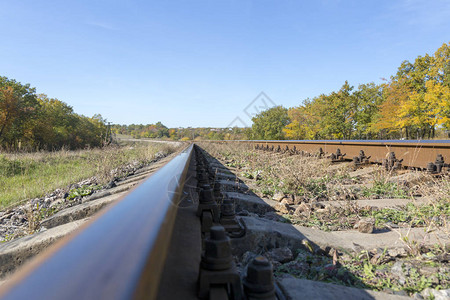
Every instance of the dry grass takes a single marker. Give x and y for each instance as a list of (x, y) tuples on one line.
[(309, 179), (30, 175), (278, 172), (317, 181)]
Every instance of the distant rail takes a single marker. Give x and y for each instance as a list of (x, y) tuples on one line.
[(411, 153)]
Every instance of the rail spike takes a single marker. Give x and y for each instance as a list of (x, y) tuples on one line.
[(259, 282), (321, 153), (338, 156), (438, 166), (217, 266), (362, 159), (391, 162), (235, 228), (294, 150)]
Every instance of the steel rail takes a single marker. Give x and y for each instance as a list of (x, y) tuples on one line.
[(118, 255), (414, 153)]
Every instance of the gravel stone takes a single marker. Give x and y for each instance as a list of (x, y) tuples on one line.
[(438, 295), (365, 225), (278, 197), (283, 208), (287, 201), (282, 255), (302, 208)]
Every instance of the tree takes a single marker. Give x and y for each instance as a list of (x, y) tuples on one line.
[(437, 99), (441, 69), (18, 105), (387, 120), (269, 124), (304, 122), (296, 129), (368, 97), (336, 113)]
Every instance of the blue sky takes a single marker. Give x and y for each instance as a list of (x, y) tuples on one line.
[(200, 63)]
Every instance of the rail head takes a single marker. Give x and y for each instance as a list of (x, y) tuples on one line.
[(118, 255), (381, 143)]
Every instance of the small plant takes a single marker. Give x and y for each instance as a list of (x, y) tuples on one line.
[(384, 188), (82, 191), (316, 187), (35, 216)]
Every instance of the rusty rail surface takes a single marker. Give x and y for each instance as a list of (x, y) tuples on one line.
[(416, 154), (118, 255)]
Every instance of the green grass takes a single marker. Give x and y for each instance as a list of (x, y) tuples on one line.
[(25, 176), (363, 270), (384, 189), (412, 214)]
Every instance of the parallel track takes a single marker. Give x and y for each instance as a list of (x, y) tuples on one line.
[(414, 154)]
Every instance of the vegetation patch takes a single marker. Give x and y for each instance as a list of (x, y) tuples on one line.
[(384, 189), (82, 191), (31, 175), (347, 216), (316, 183), (379, 269)]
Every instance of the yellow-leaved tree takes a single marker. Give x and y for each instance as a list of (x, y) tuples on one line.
[(437, 99)]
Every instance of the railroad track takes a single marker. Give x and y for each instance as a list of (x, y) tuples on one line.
[(127, 252), (432, 155), (175, 235)]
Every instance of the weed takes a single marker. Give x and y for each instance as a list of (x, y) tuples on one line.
[(82, 191), (385, 189)]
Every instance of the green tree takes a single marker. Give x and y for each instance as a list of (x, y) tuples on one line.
[(269, 124), (369, 97), (337, 113), (18, 105)]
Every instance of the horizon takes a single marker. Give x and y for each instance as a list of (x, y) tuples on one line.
[(201, 64)]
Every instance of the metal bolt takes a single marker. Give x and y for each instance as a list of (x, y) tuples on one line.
[(227, 208), (321, 153), (259, 283), (439, 159), (217, 254), (431, 167)]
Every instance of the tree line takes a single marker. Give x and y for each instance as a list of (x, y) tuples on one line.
[(412, 104), (31, 121), (160, 131)]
